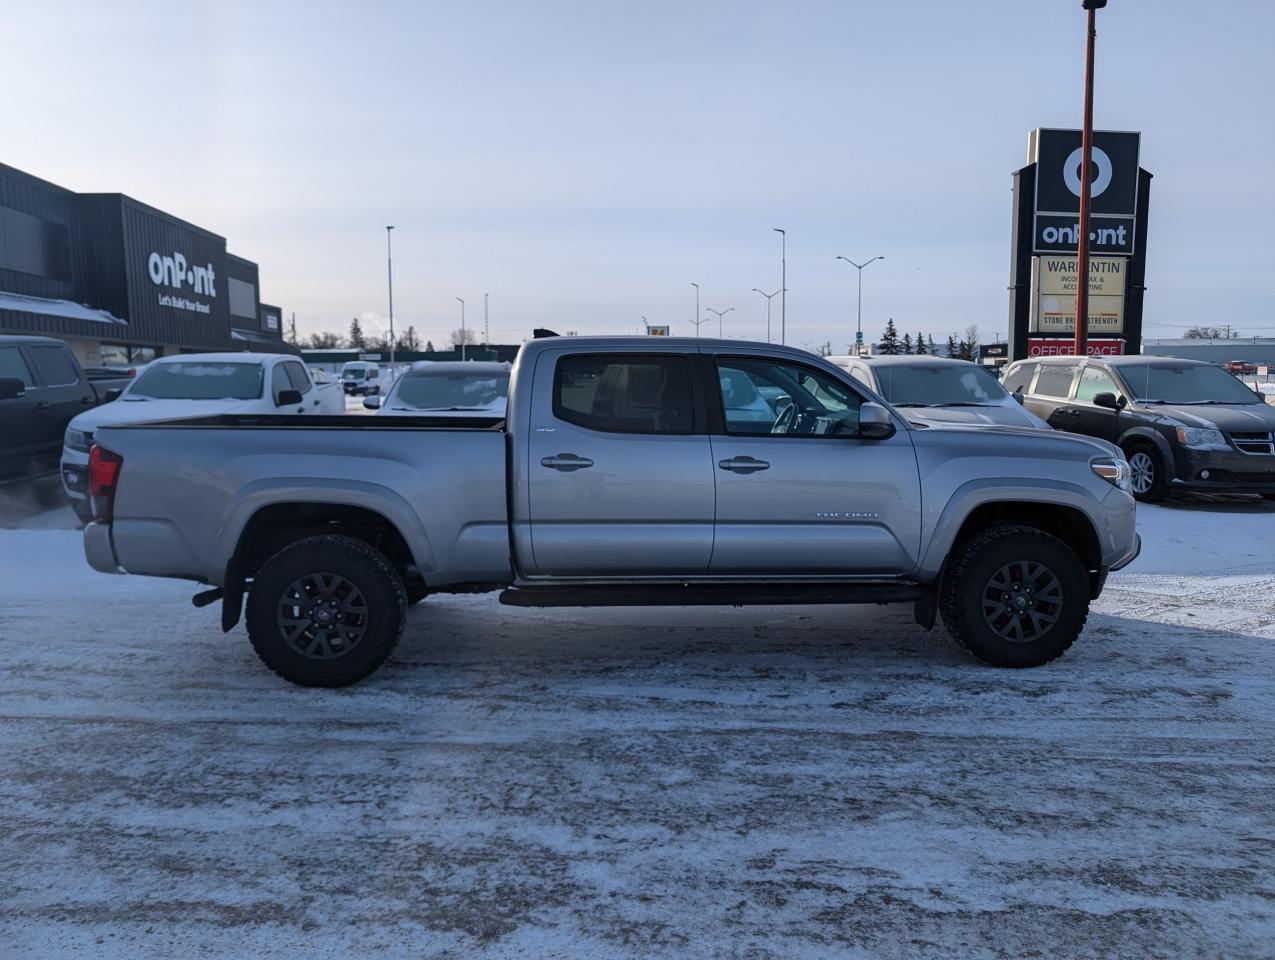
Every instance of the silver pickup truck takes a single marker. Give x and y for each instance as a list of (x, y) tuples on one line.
[(627, 471)]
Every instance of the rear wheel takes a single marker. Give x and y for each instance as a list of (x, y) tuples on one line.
[(326, 611), (1147, 474), (1014, 596)]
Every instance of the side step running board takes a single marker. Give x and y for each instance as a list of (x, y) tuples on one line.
[(708, 594)]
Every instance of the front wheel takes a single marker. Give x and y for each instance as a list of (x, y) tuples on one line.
[(1014, 596), (326, 611), (1146, 473)]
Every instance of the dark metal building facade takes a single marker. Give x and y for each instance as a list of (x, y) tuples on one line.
[(122, 281)]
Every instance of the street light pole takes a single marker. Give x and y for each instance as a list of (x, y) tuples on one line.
[(698, 321), (783, 283), (768, 297), (462, 329), (858, 334), (389, 265), (1086, 177), (720, 314)]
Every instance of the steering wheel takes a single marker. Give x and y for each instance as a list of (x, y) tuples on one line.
[(784, 422)]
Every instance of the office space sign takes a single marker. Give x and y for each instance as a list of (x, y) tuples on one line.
[(1113, 190), (1041, 347)]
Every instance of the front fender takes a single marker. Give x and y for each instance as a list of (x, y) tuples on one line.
[(1154, 436), (976, 493)]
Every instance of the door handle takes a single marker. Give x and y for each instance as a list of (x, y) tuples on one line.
[(566, 462), (1072, 413), (42, 405), (743, 465)]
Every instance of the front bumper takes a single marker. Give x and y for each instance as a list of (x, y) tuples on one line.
[(98, 550), (1131, 556), (1222, 471)]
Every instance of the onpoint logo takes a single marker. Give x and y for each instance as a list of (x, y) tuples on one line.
[(1071, 171), (172, 271)]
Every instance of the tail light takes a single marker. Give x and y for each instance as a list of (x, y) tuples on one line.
[(104, 474)]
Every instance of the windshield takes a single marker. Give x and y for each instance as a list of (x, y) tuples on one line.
[(941, 385), (1152, 383), (353, 373), (197, 380), (444, 391)]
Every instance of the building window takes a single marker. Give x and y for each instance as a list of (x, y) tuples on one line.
[(32, 245), (243, 298), (123, 355)]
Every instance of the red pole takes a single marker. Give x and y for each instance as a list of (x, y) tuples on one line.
[(1086, 164)]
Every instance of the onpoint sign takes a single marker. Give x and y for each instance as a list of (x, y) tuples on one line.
[(1113, 190)]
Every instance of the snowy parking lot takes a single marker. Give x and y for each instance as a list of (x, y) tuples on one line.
[(764, 782)]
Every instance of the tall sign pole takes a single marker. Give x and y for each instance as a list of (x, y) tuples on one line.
[(389, 265), (783, 283), (1086, 178)]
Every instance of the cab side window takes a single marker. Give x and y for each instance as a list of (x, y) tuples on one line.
[(13, 365), (1020, 378), (772, 398), (55, 366), (1054, 380), (1093, 381), (279, 381), (297, 374), (616, 393)]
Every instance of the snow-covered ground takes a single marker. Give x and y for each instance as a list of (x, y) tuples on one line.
[(777, 782)]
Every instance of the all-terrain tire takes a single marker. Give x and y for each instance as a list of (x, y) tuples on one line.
[(974, 610), (1158, 474), (367, 592)]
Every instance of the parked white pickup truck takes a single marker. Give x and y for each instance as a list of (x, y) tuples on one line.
[(197, 385)]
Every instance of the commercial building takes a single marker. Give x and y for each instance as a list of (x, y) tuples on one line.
[(122, 282), (1259, 351)]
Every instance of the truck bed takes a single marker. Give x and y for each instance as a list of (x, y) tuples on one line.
[(190, 487)]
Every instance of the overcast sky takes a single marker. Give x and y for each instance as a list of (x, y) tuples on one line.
[(585, 162)]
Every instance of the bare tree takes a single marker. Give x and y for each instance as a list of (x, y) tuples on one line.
[(325, 341), (465, 336), (1210, 333)]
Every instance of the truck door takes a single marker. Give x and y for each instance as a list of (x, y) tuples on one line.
[(18, 426), (63, 391), (619, 481), (801, 493)]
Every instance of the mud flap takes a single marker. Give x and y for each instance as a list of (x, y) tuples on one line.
[(925, 611), (232, 600)]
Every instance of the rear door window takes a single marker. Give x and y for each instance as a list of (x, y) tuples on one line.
[(12, 365), (1054, 380), (616, 393), (55, 366)]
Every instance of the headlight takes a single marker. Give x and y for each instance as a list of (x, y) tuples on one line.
[(80, 440), (1115, 472), (1199, 438)]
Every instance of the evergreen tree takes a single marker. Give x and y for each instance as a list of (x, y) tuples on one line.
[(932, 349), (409, 341), (969, 343), (907, 343), (920, 344), (429, 346), (357, 340), (890, 339), (952, 351)]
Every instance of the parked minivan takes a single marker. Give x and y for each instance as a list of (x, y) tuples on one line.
[(1183, 424)]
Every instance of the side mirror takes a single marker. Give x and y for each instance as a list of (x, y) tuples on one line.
[(875, 422), (288, 398), (1107, 400), (11, 388), (1018, 395), (1260, 395), (111, 394), (372, 403)]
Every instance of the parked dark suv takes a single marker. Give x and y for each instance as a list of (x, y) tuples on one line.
[(1183, 424)]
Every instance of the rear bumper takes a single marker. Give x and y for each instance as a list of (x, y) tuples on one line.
[(98, 550)]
